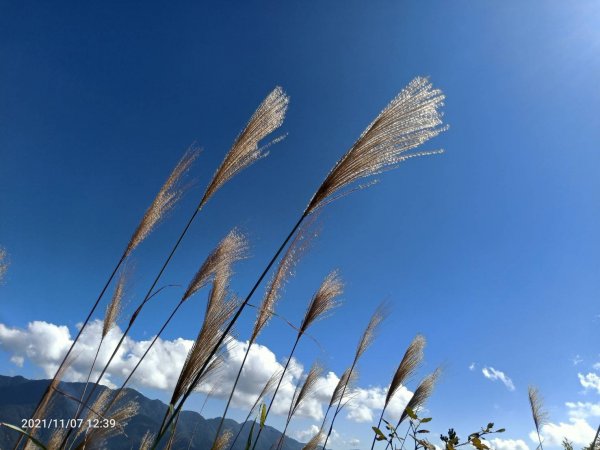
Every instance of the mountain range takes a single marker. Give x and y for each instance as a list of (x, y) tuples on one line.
[(18, 397)]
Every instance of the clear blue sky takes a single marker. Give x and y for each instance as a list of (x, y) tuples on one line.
[(490, 250)]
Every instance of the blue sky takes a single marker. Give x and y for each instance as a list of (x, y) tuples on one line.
[(490, 250)]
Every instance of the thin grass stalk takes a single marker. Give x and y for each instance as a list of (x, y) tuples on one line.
[(539, 415), (365, 341), (409, 363), (594, 444), (266, 310), (278, 386), (266, 119), (427, 126), (198, 421), (263, 393), (235, 318)]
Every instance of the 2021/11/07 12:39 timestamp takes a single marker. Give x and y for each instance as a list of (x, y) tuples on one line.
[(67, 423)]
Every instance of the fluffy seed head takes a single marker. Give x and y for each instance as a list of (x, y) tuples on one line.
[(412, 118), (343, 386), (147, 441), (411, 360), (370, 332), (231, 249), (222, 441), (3, 263), (422, 393), (539, 414), (168, 195), (285, 269), (114, 307), (315, 441), (323, 301), (245, 150), (307, 388)]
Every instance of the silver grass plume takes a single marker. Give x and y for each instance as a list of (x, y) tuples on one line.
[(538, 413), (313, 444), (285, 269), (98, 435), (343, 386), (245, 150), (55, 439), (370, 332), (268, 387), (219, 310), (94, 411), (231, 249), (114, 307), (422, 393), (323, 300), (165, 200), (3, 263), (222, 441), (411, 119), (410, 362), (147, 440), (307, 388)]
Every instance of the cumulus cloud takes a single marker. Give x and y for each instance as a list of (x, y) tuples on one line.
[(508, 444), (492, 374), (590, 381), (576, 430), (44, 345)]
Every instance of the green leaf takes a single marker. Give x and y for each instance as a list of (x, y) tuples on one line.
[(263, 415), (423, 431), (501, 430), (411, 414), (24, 433), (426, 419), (490, 425), (379, 435)]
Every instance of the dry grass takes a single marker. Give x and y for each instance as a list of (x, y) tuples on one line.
[(3, 263), (314, 442), (324, 300), (165, 200), (114, 307), (245, 150), (411, 119), (222, 441), (410, 362), (422, 393)]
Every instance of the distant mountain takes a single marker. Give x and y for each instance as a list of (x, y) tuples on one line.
[(18, 397)]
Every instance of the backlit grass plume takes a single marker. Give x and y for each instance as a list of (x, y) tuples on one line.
[(222, 441), (410, 362), (364, 343), (245, 150), (421, 395), (322, 301), (411, 119), (167, 197), (538, 413), (314, 442)]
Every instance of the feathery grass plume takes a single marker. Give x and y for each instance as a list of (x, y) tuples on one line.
[(165, 200), (411, 119), (3, 263), (422, 394), (323, 301), (306, 389), (114, 307), (231, 249), (222, 440), (297, 248), (314, 442), (55, 439), (347, 379), (538, 413), (147, 440), (245, 150), (410, 362), (94, 411), (218, 311), (370, 332), (96, 436), (363, 344)]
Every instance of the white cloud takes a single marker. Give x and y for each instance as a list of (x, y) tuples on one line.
[(508, 444), (472, 366), (306, 435), (44, 344), (590, 381), (492, 374), (577, 359), (581, 410), (577, 430)]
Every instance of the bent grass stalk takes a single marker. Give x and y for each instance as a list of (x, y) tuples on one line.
[(267, 118), (411, 119)]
